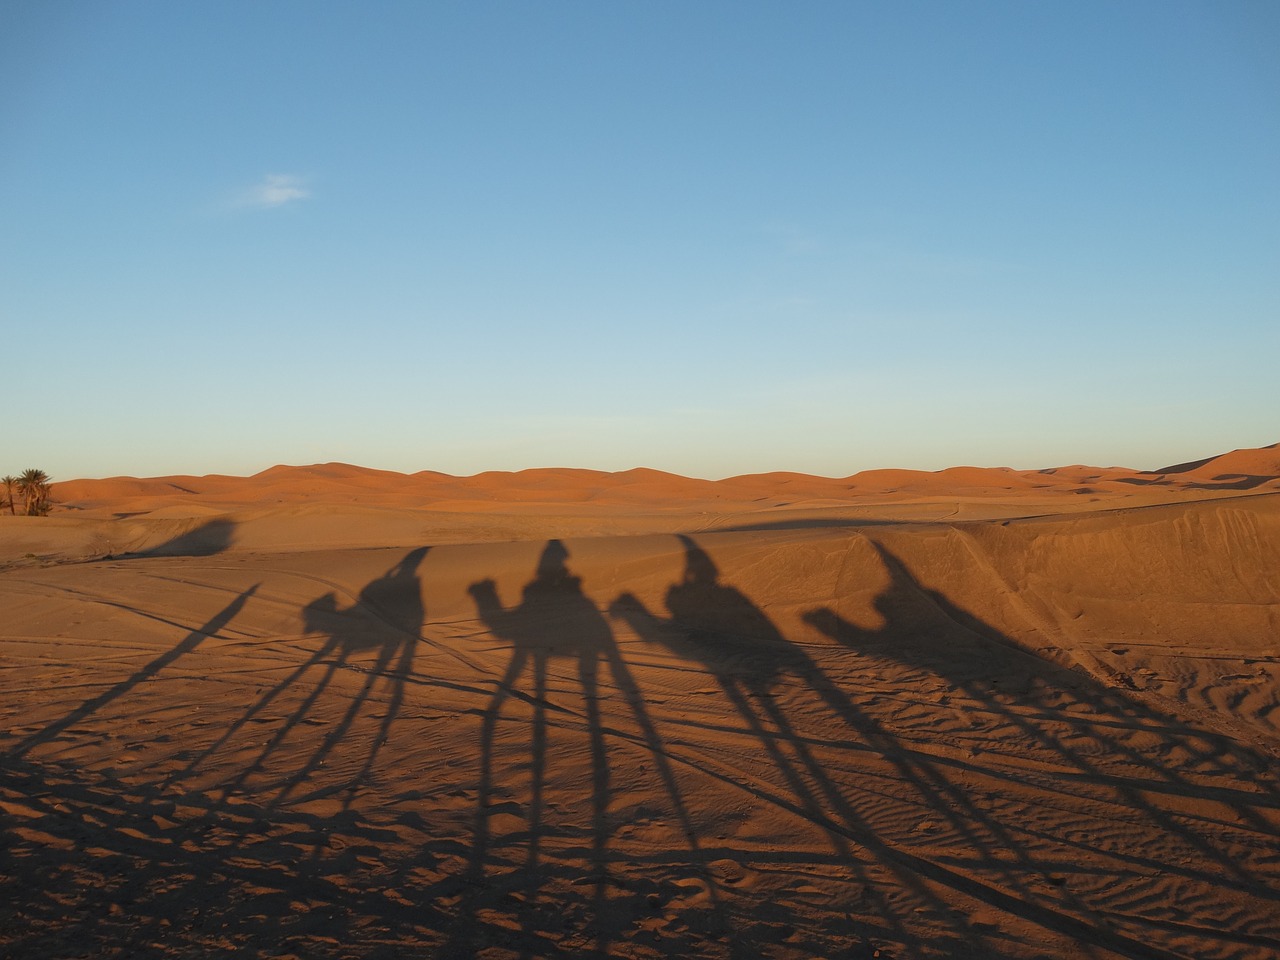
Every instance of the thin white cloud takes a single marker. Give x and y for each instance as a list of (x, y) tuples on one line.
[(275, 190)]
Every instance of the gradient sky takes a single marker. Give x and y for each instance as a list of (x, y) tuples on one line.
[(707, 237)]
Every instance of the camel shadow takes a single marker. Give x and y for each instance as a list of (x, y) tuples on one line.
[(1094, 755), (564, 662), (971, 828), (91, 840), (375, 638), (716, 626)]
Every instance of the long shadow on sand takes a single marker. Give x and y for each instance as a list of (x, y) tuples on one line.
[(975, 792), (555, 627), (91, 865), (149, 671), (91, 860), (204, 540), (376, 637), (1051, 857), (716, 626), (1105, 756)]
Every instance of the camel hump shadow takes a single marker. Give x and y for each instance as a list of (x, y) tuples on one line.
[(715, 625), (923, 629), (392, 605), (554, 616)]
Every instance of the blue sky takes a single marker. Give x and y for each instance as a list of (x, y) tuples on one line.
[(707, 237)]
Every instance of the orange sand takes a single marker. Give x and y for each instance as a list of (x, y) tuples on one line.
[(335, 712)]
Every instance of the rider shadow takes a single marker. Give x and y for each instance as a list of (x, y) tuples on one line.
[(169, 866), (377, 637), (554, 626), (715, 625), (1017, 696), (968, 840)]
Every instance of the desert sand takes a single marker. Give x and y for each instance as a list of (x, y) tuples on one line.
[(337, 712)]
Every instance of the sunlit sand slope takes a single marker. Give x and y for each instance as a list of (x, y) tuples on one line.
[(1032, 738), (958, 492)]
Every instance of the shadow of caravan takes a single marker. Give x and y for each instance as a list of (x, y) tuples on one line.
[(375, 639), (564, 662), (1025, 767), (715, 625)]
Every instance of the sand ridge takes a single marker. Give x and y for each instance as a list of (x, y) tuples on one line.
[(577, 721), (336, 482)]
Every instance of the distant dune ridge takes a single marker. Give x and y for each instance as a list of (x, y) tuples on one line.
[(1239, 469), (328, 711)]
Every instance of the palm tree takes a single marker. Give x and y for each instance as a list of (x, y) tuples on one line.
[(34, 485), (10, 485)]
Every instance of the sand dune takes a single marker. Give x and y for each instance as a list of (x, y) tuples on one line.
[(333, 712), (335, 504), (337, 482)]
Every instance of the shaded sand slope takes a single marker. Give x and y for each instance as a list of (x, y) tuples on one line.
[(1048, 737)]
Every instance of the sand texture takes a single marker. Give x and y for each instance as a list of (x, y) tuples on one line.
[(336, 712)]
